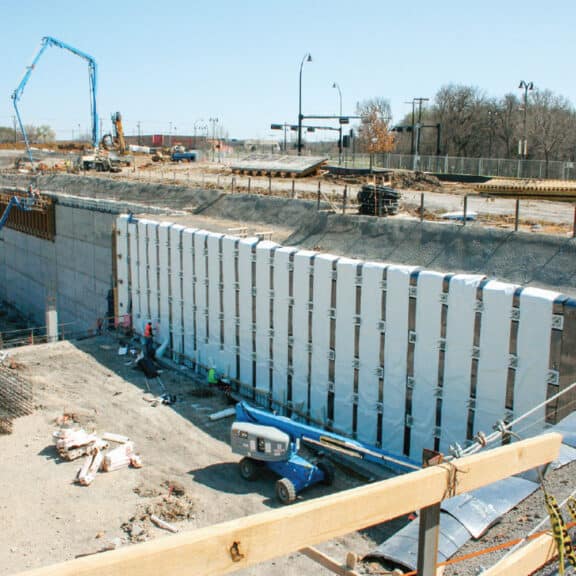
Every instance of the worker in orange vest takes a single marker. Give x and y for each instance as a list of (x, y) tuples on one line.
[(149, 340)]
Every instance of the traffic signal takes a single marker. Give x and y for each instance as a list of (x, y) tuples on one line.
[(345, 141)]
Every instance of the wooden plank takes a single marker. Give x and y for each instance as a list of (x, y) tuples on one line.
[(327, 562), (246, 541), (527, 559)]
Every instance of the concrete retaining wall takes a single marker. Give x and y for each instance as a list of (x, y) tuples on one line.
[(76, 268)]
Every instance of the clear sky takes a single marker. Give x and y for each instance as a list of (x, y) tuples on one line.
[(173, 63)]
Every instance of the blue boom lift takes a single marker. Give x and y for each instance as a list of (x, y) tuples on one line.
[(265, 439)]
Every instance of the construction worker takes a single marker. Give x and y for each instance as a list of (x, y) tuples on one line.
[(213, 379), (148, 341)]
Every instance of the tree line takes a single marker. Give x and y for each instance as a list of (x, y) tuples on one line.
[(36, 134), (463, 121)]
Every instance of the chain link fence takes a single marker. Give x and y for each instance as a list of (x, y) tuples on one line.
[(489, 167)]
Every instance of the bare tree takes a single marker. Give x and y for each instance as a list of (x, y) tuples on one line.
[(459, 110), (551, 123)]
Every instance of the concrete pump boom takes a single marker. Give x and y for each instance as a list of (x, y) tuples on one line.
[(92, 68)]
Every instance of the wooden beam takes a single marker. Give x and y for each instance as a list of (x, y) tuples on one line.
[(242, 542), (327, 562), (527, 559)]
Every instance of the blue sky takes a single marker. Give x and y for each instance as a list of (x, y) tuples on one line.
[(177, 63)]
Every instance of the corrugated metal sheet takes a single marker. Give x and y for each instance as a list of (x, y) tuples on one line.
[(402, 548), (480, 509)]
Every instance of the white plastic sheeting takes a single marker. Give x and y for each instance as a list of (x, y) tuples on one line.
[(426, 360), (246, 259), (321, 352), (371, 331), (346, 279), (303, 271), (153, 276), (176, 301), (282, 265), (188, 292), (213, 294), (200, 253), (164, 280), (458, 359), (533, 350), (493, 360), (229, 264), (294, 317), (264, 296), (395, 356)]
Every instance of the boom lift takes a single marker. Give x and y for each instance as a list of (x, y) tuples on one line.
[(265, 439)]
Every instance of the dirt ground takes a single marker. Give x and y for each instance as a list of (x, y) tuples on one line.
[(47, 518), (189, 475)]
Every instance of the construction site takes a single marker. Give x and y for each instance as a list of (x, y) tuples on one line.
[(264, 365)]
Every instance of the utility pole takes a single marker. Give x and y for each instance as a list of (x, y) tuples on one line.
[(412, 131), (416, 138), (523, 147), (213, 121), (138, 124)]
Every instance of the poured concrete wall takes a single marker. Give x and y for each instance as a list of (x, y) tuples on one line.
[(75, 268)]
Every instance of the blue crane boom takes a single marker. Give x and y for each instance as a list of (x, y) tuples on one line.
[(93, 76)]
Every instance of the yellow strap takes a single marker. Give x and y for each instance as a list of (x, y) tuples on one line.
[(559, 532)]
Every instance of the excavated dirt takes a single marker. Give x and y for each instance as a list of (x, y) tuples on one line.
[(189, 476)]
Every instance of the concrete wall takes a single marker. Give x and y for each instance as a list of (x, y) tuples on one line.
[(76, 268)]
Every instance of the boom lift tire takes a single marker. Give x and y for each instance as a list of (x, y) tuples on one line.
[(249, 469), (328, 471), (285, 491)]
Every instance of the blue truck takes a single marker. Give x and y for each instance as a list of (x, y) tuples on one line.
[(188, 156)]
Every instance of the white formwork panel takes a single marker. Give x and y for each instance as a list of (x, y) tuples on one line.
[(188, 295), (122, 267), (321, 352), (346, 279), (164, 282), (153, 287), (264, 266), (177, 327), (458, 358), (493, 358), (214, 331), (426, 359), (135, 291), (246, 257), (229, 254), (395, 357), (303, 262), (371, 328), (280, 315), (143, 265), (200, 252), (533, 351)]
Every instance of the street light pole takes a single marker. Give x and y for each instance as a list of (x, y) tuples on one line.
[(337, 86), (524, 144), (307, 58)]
